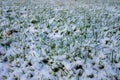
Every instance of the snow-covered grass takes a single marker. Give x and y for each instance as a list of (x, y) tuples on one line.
[(59, 40)]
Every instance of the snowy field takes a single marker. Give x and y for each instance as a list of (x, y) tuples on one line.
[(59, 40)]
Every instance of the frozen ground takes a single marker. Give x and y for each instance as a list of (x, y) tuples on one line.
[(59, 40)]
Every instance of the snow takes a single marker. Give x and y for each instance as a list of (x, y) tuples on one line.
[(69, 40)]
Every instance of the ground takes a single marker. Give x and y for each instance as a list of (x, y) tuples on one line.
[(59, 40)]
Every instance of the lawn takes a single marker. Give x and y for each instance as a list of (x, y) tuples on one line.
[(59, 40)]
